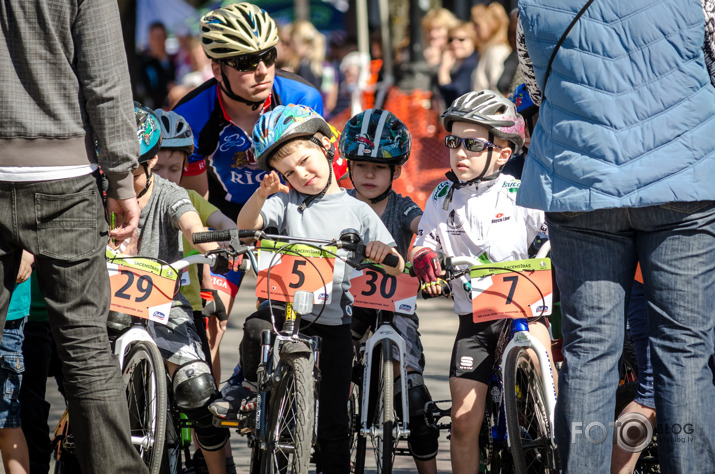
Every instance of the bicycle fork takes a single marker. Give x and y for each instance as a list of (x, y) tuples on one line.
[(385, 335)]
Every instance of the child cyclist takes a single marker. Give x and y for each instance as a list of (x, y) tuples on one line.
[(165, 211), (376, 145), (474, 214), (177, 143), (293, 141)]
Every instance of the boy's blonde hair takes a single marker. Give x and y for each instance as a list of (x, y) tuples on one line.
[(293, 145)]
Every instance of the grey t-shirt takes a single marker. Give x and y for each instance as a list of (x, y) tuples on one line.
[(399, 214), (159, 233), (326, 218)]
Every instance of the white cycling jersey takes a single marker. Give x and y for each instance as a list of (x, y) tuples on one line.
[(483, 221)]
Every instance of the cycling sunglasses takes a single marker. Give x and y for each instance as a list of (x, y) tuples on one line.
[(471, 144), (249, 62)]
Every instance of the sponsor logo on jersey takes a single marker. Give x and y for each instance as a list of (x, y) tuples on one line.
[(440, 190), (405, 307), (453, 220), (512, 186), (500, 217)]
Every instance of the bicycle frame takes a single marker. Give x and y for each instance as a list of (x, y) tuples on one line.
[(383, 334)]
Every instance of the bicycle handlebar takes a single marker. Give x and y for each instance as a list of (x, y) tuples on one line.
[(349, 240)]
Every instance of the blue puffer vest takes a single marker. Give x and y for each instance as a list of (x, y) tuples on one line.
[(629, 115)]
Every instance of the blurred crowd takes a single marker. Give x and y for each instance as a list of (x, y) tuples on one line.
[(461, 56)]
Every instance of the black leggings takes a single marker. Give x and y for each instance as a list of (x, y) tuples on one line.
[(336, 355)]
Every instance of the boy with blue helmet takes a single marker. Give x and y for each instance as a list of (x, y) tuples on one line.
[(295, 142)]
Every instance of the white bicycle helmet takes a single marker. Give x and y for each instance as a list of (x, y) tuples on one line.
[(175, 131), (241, 28), (490, 110)]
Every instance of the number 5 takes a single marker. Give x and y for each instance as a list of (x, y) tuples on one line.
[(300, 274)]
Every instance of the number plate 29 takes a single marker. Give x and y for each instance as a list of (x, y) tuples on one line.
[(142, 287)]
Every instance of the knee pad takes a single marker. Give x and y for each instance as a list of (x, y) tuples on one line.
[(193, 385), (423, 440), (194, 388)]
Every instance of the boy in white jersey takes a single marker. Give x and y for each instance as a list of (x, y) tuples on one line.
[(475, 214), (377, 144), (294, 141)]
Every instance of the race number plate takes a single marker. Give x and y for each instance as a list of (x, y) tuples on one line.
[(374, 290), (141, 287), (502, 290), (294, 267)]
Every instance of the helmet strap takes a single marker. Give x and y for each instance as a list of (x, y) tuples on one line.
[(329, 154), (456, 184), (149, 175), (226, 88)]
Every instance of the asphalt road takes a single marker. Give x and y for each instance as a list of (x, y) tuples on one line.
[(438, 326)]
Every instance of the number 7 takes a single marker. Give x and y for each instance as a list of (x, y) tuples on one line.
[(513, 280)]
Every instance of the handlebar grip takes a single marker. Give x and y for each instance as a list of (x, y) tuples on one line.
[(391, 260), (225, 235), (212, 236)]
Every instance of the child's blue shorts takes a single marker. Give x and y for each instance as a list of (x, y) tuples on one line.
[(12, 365)]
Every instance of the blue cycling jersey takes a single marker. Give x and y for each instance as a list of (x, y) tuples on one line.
[(220, 146)]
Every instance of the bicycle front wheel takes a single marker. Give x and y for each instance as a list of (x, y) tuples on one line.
[(292, 415), (144, 376), (382, 419), (526, 420), (358, 443)]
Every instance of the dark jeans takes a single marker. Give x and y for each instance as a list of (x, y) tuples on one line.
[(336, 355), (62, 223), (595, 256)]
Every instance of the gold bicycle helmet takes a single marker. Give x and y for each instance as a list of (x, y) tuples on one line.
[(241, 28)]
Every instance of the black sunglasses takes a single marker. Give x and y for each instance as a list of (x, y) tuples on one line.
[(471, 144), (249, 62)]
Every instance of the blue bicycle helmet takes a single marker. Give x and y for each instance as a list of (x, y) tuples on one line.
[(376, 136), (148, 132), (282, 124)]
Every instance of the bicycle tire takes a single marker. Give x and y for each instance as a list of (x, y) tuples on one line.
[(292, 415), (532, 450), (144, 376), (383, 415), (358, 443)]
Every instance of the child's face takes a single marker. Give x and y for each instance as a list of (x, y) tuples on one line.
[(306, 169), (140, 176), (371, 179), (467, 164), (170, 165)]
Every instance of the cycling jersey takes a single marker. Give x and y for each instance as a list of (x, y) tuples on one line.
[(483, 221), (221, 146)]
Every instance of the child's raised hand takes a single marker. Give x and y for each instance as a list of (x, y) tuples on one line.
[(271, 184)]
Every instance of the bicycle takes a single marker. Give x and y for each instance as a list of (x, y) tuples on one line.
[(371, 410), (142, 290), (518, 428), (295, 273)]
